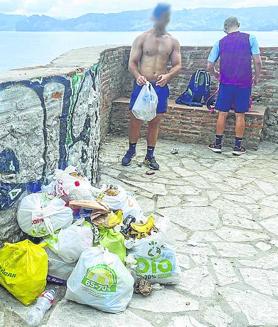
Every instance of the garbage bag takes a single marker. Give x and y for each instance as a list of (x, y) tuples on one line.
[(58, 268), (23, 270), (145, 105), (100, 280), (41, 214), (113, 241), (71, 185), (122, 201), (155, 259), (70, 242)]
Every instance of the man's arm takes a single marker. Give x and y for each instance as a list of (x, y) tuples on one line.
[(176, 65), (258, 67), (134, 59), (255, 50), (212, 59)]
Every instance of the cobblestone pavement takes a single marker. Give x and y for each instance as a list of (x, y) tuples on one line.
[(224, 217), (224, 222)]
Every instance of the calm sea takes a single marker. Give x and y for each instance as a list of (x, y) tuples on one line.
[(22, 49)]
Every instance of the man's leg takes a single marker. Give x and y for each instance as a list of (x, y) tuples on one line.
[(223, 105), (152, 136), (239, 131), (220, 128), (242, 103), (134, 135)]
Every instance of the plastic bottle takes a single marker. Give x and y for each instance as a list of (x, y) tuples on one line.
[(43, 304)]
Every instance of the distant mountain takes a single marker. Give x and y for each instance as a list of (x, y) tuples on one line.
[(202, 19)]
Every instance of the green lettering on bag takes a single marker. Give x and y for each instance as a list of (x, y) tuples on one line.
[(165, 266), (145, 266), (101, 278)]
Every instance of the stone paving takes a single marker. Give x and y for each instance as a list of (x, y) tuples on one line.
[(224, 217), (224, 223)]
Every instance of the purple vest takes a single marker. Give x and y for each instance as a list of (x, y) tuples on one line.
[(236, 60)]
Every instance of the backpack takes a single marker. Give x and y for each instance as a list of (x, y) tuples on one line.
[(198, 90)]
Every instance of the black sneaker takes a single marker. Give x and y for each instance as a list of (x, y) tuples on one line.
[(126, 161), (215, 148), (151, 163), (239, 151)]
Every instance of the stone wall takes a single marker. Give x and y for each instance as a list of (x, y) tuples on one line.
[(46, 122), (194, 58), (113, 63)]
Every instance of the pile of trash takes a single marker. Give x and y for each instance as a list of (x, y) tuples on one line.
[(96, 241)]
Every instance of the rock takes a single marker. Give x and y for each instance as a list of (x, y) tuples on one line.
[(269, 261), (265, 281), (184, 190), (197, 281), (233, 250), (157, 302), (185, 321), (263, 246), (184, 261), (198, 182), (266, 187), (271, 225), (239, 221), (216, 317), (259, 309), (150, 187), (224, 271), (204, 236), (271, 201), (193, 218), (196, 201), (72, 314), (239, 235), (239, 198), (182, 171), (168, 201)]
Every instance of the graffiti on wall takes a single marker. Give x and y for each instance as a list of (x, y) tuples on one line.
[(47, 123)]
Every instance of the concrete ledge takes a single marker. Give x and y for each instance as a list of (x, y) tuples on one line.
[(192, 124)]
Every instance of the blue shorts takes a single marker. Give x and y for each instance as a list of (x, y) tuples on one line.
[(232, 97), (162, 93)]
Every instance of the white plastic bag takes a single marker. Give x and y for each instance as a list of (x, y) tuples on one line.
[(57, 268), (145, 105), (40, 214), (70, 185), (100, 280), (125, 202), (70, 242), (156, 259)]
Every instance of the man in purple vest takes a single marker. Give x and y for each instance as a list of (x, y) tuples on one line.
[(236, 51)]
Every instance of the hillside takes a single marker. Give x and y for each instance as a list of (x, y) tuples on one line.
[(202, 19)]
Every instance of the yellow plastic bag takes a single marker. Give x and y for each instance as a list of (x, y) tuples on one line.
[(23, 270)]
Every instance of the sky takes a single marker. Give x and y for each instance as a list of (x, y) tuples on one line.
[(74, 8)]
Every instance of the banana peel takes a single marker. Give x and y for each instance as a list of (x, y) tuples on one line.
[(109, 220), (144, 228)]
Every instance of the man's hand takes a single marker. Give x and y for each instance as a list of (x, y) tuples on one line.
[(256, 80), (141, 80), (162, 80), (216, 74)]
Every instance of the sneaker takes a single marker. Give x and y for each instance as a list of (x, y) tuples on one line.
[(215, 148), (151, 163), (239, 151), (126, 161)]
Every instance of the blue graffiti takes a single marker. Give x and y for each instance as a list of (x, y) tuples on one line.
[(9, 164)]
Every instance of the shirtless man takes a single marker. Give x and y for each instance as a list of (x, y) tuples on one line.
[(150, 55)]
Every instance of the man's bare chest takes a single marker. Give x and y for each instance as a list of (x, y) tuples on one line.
[(157, 47)]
